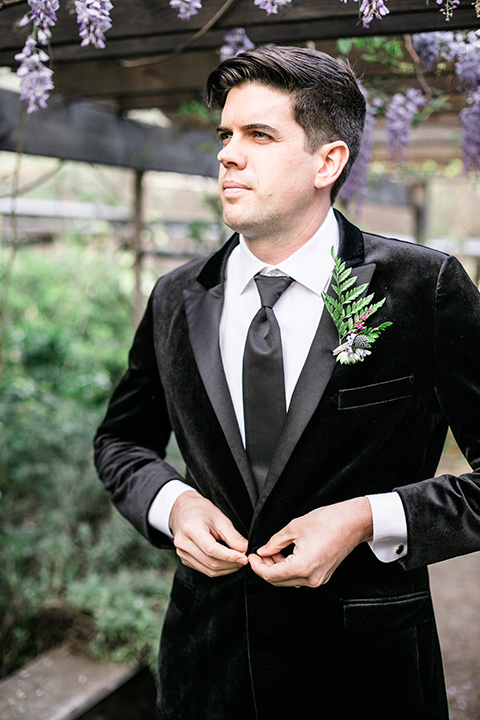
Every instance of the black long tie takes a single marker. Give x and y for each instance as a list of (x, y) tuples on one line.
[(263, 378)]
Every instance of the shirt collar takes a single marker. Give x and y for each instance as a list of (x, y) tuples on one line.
[(310, 265)]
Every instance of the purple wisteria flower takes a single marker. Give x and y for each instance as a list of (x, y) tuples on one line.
[(186, 8), (35, 77), (353, 189), (271, 6), (431, 46), (399, 118), (470, 118), (447, 7), (43, 14), (93, 16), (465, 50), (235, 41), (370, 9)]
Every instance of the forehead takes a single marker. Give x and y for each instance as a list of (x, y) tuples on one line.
[(254, 102)]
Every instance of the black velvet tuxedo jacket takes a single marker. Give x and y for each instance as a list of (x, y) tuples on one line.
[(365, 644)]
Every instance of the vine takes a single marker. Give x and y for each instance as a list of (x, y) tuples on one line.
[(416, 54)]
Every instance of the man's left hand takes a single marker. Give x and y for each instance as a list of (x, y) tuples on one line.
[(322, 539)]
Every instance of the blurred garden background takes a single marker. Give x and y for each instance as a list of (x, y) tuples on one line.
[(86, 228)]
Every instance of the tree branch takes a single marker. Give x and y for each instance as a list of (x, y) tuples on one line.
[(418, 69), (183, 46), (5, 4)]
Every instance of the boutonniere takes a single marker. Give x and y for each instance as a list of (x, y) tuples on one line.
[(351, 314)]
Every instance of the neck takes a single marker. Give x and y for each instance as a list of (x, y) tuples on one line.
[(273, 249)]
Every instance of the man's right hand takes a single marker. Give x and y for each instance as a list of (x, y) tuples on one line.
[(204, 538)]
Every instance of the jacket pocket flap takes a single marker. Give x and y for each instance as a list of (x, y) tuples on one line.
[(385, 614), (374, 394)]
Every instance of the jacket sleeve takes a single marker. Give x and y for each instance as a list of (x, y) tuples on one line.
[(443, 513), (130, 444)]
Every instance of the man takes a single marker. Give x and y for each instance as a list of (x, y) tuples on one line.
[(347, 492)]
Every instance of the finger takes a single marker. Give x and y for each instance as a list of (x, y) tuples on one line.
[(217, 551), (206, 568), (212, 558), (202, 546), (225, 530), (255, 559), (277, 542), (274, 573), (273, 570), (281, 580)]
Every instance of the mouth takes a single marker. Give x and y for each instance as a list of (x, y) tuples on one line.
[(233, 189)]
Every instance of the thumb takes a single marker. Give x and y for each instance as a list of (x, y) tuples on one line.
[(277, 542)]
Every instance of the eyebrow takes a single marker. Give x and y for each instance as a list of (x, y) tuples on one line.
[(262, 127)]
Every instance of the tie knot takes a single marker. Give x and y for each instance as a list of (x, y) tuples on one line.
[(271, 287)]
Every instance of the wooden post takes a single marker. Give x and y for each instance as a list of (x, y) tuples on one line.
[(418, 200), (138, 306)]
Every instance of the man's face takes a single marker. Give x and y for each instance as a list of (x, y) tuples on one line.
[(267, 176)]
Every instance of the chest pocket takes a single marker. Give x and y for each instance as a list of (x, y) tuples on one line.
[(375, 394)]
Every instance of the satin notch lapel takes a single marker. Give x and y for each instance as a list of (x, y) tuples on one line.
[(203, 309)]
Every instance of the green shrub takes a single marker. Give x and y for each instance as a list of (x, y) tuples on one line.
[(65, 552)]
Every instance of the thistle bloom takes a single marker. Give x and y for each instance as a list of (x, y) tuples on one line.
[(353, 350), (186, 8), (235, 41), (35, 78), (93, 16), (271, 6)]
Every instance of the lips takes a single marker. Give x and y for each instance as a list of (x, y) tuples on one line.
[(232, 189)]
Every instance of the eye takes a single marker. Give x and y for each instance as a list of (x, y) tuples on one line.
[(261, 135), (224, 137)]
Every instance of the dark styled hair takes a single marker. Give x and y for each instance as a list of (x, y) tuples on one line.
[(326, 99)]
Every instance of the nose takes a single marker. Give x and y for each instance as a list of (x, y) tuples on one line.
[(232, 153)]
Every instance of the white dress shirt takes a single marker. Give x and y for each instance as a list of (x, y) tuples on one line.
[(311, 268)]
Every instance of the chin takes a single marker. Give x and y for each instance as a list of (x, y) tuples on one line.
[(234, 222)]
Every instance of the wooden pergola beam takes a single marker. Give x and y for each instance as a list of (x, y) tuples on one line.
[(145, 27), (86, 132)]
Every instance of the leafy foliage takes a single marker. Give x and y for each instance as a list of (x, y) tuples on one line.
[(349, 310), (67, 342), (128, 611)]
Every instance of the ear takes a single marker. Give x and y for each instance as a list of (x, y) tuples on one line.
[(332, 159)]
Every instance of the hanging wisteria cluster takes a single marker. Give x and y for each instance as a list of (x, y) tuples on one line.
[(399, 116), (461, 50), (353, 189), (368, 9), (93, 17), (235, 42)]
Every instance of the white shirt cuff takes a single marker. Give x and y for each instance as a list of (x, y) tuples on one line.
[(389, 527), (161, 507)]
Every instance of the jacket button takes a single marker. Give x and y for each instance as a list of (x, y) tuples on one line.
[(399, 549)]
